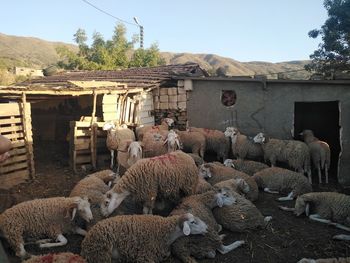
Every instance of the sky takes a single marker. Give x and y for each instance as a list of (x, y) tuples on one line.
[(244, 30)]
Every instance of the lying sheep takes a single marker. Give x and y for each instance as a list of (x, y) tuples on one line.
[(193, 142), (129, 152), (115, 135), (320, 153), (295, 153), (217, 172), (245, 166), (241, 216), (279, 180), (325, 260), (159, 143), (203, 186), (141, 238), (201, 205), (164, 126), (215, 141), (326, 207), (63, 257), (242, 146), (50, 217), (170, 176)]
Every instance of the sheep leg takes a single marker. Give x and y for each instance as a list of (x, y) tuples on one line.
[(112, 159), (319, 174), (317, 217), (225, 249), (342, 237), (80, 231), (147, 211), (340, 226), (21, 252), (41, 241), (285, 208), (267, 190), (286, 198), (326, 172), (61, 242)]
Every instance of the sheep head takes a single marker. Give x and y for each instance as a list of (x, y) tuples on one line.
[(260, 138), (108, 126), (112, 200), (224, 197), (229, 163), (205, 171), (301, 206), (232, 132), (82, 206), (168, 121), (190, 224), (172, 141), (134, 152)]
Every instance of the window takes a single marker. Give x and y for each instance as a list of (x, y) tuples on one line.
[(228, 98)]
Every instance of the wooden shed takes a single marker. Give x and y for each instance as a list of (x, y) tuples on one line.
[(67, 111)]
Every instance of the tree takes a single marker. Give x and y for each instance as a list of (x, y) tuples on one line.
[(333, 54), (117, 53)]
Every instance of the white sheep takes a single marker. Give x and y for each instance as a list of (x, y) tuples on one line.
[(114, 136), (245, 166), (320, 153), (325, 260), (129, 152), (295, 153), (242, 146), (50, 217), (138, 238), (159, 143), (279, 180), (164, 126), (215, 141), (170, 176), (192, 142), (325, 207)]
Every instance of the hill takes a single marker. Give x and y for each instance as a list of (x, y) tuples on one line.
[(38, 53)]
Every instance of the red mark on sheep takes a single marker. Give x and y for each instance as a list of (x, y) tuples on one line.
[(47, 258), (165, 158)]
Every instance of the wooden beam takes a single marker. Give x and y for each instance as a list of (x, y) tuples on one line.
[(96, 84), (93, 133)]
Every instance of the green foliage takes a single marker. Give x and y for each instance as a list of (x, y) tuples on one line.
[(108, 55), (333, 54)]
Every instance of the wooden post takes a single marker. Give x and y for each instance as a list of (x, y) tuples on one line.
[(93, 135), (29, 145)]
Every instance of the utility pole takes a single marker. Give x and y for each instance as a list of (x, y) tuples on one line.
[(141, 31)]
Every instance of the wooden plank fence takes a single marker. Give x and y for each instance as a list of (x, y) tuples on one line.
[(15, 124)]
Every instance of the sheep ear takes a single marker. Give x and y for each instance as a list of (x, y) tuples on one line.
[(307, 209), (186, 229), (72, 210)]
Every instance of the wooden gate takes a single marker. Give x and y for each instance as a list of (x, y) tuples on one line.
[(15, 124)]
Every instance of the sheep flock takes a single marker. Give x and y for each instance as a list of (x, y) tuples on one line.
[(165, 201)]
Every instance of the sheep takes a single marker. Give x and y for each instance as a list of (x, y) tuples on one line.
[(129, 152), (241, 216), (196, 158), (192, 141), (138, 238), (295, 153), (168, 176), (325, 260), (242, 146), (327, 207), (215, 141), (278, 180), (51, 217), (164, 126), (245, 166), (217, 172), (63, 257), (203, 186), (115, 135), (320, 153), (159, 143), (201, 205)]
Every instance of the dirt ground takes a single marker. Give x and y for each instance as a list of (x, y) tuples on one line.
[(286, 239)]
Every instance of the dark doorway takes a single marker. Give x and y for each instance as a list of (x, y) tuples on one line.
[(323, 119)]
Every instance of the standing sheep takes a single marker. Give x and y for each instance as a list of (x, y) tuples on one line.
[(217, 172), (245, 166), (326, 207), (295, 153), (193, 142), (164, 126), (215, 141), (278, 180), (170, 176), (201, 205), (320, 153), (138, 238), (242, 146), (115, 135), (129, 152), (50, 217), (159, 143)]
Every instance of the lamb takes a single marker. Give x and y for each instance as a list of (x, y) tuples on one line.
[(193, 142), (295, 153), (217, 172), (242, 146), (241, 216), (164, 126), (129, 152), (326, 207), (51, 217), (201, 205), (320, 153), (278, 180), (325, 260), (159, 143), (63, 257), (170, 176), (215, 141), (115, 135), (127, 238), (245, 166)]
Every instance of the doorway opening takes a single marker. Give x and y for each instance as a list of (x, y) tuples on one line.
[(323, 119)]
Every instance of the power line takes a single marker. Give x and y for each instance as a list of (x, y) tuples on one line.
[(106, 13)]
